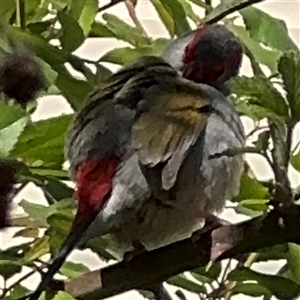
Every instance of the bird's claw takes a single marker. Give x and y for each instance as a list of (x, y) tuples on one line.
[(138, 248)]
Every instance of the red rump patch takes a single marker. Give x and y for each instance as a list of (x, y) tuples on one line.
[(94, 180)]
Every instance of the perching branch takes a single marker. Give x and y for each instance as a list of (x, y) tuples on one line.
[(158, 265)]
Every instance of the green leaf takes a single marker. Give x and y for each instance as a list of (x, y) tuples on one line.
[(294, 261), (125, 32), (267, 30), (39, 27), (29, 232), (60, 224), (289, 67), (8, 268), (164, 16), (261, 92), (295, 161), (177, 12), (204, 276), (125, 55), (74, 90), (250, 188), (72, 34), (252, 207), (101, 246), (84, 12), (39, 248), (57, 189), (185, 283), (100, 30), (10, 135), (73, 270), (250, 289), (51, 54), (41, 213), (10, 114), (63, 296), (280, 287), (189, 11), (43, 141), (268, 57), (276, 252), (7, 8), (36, 211), (17, 292)]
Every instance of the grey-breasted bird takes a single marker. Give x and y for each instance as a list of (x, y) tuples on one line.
[(139, 148)]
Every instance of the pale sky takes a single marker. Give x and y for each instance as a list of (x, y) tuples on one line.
[(288, 10)]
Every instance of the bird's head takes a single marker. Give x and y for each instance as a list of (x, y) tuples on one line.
[(213, 56)]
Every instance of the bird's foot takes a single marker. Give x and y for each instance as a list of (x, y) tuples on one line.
[(211, 223), (138, 248)]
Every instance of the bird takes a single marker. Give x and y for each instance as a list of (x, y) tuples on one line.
[(140, 147)]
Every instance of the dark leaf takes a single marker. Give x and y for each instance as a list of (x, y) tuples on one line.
[(282, 288), (289, 67), (295, 161), (273, 253), (72, 34), (294, 261), (207, 276), (17, 292), (8, 268), (251, 289), (74, 90), (185, 283)]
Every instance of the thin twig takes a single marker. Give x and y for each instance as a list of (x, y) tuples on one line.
[(131, 11), (109, 5), (232, 10), (208, 9)]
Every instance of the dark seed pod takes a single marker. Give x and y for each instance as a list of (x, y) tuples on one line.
[(21, 77)]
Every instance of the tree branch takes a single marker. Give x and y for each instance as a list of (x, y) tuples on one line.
[(158, 265), (109, 5), (230, 10)]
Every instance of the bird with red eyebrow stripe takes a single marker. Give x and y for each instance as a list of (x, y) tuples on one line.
[(140, 148)]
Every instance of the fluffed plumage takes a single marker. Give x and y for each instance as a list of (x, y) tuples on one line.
[(139, 152)]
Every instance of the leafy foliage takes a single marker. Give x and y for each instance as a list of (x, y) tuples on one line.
[(39, 144)]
